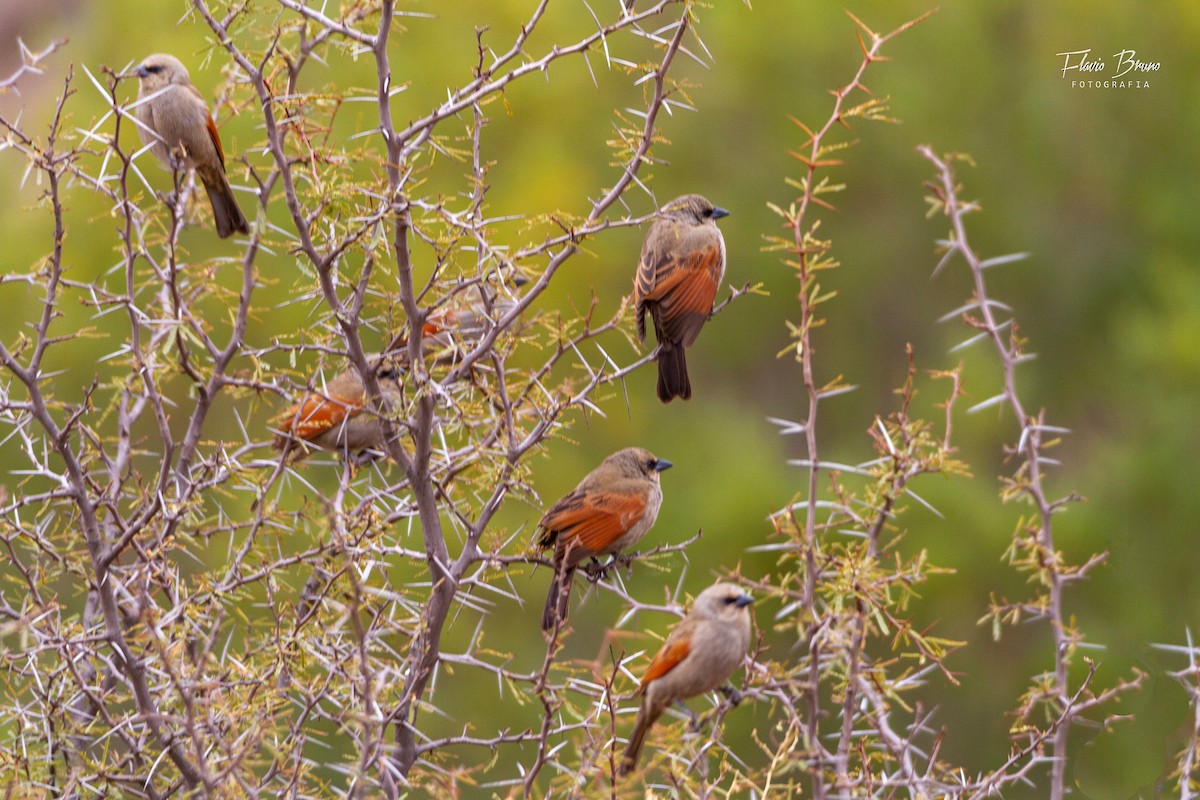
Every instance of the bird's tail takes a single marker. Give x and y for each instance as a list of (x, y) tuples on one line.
[(226, 212), (558, 601), (672, 372), (633, 751)]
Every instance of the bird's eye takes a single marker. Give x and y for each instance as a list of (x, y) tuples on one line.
[(154, 70), (390, 372), (706, 213), (652, 464)]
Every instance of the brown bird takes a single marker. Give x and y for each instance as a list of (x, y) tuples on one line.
[(472, 313), (703, 650), (465, 318), (680, 272), (176, 124), (336, 417), (610, 510)]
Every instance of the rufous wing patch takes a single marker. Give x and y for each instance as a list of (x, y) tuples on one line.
[(666, 660), (590, 522), (216, 140), (317, 414)]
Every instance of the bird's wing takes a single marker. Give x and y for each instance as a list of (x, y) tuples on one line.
[(655, 251), (675, 650), (591, 520), (216, 140), (318, 413), (683, 281), (197, 99), (449, 323)]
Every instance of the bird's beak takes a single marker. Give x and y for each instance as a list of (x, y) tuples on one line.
[(141, 71), (719, 212), (743, 600), (518, 280), (662, 464)]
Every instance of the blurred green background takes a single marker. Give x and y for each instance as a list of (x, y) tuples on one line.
[(1100, 185)]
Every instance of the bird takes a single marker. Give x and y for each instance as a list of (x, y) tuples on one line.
[(472, 313), (463, 319), (176, 125), (336, 417), (610, 510), (702, 651), (678, 276)]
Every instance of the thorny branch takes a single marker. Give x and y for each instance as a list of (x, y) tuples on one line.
[(31, 62), (188, 613), (1033, 547), (151, 508), (809, 256)]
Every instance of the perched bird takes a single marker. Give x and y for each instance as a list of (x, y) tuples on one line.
[(682, 264), (465, 318), (336, 416), (610, 510), (176, 124), (703, 650), (472, 313)]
